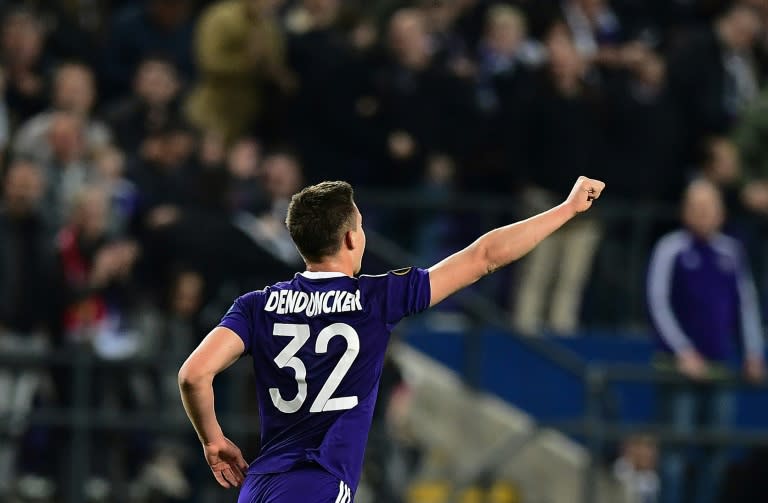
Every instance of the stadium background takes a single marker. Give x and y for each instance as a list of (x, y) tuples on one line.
[(149, 149)]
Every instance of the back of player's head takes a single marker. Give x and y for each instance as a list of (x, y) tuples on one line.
[(319, 216)]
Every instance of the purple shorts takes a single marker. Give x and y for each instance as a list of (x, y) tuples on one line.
[(309, 484)]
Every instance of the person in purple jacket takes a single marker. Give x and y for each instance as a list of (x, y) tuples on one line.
[(318, 343), (703, 305)]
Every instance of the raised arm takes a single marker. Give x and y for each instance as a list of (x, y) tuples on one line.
[(504, 245), (220, 349)]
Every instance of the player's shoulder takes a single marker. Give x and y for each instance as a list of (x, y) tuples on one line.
[(389, 275), (396, 280), (250, 299)]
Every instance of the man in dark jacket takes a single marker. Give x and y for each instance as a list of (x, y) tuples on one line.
[(25, 264), (714, 76)]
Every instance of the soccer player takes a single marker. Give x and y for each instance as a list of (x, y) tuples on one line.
[(318, 343)]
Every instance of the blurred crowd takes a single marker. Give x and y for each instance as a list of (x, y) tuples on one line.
[(149, 148)]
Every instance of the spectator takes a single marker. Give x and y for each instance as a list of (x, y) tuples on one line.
[(714, 77), (177, 330), (449, 47), (597, 30), (24, 64), (563, 138), (109, 172), (98, 315), (25, 262), (412, 87), (636, 469), (154, 104), (67, 171), (320, 53), (163, 174), (282, 179), (239, 51), (720, 164), (748, 136), (643, 129), (436, 233), (700, 296), (245, 171), (25, 274), (502, 84), (141, 29), (501, 58), (74, 91), (93, 268), (181, 324), (212, 152)]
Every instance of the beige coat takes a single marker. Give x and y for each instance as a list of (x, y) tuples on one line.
[(237, 53)]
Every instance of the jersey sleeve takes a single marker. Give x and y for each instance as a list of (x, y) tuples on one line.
[(239, 319), (408, 293)]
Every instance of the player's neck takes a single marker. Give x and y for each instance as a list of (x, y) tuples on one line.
[(331, 264)]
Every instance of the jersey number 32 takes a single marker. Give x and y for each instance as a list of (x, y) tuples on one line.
[(288, 358)]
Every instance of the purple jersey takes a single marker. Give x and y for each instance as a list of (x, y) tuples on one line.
[(318, 345)]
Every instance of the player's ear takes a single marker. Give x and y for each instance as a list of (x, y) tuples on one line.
[(349, 240)]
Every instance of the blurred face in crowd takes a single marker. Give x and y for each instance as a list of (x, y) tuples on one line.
[(187, 294), (724, 164), (642, 452), (244, 160), (109, 164), (24, 188), (65, 137), (156, 82), (740, 28), (566, 63), (22, 39), (282, 175), (409, 39), (90, 212), (505, 30), (703, 212), (74, 89), (213, 149)]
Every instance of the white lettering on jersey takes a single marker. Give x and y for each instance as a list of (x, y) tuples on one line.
[(271, 302), (333, 301)]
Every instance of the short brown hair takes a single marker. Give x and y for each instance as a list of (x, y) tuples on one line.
[(318, 217)]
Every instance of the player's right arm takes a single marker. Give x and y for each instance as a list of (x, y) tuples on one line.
[(504, 245), (220, 349)]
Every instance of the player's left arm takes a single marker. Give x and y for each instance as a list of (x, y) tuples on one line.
[(220, 349), (504, 245)]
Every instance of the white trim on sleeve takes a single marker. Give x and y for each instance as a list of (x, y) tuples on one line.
[(660, 274)]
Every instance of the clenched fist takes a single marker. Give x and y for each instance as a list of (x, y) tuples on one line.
[(584, 192)]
